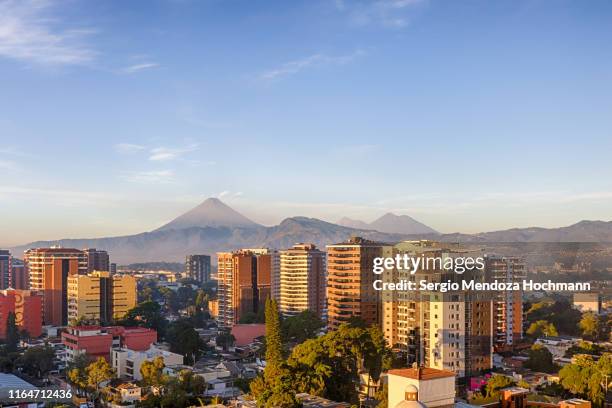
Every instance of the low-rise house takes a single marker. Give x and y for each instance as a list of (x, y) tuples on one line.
[(126, 393), (127, 362)]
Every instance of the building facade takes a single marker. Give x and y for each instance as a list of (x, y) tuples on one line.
[(127, 362), (508, 305), (97, 341), (349, 282), (5, 268), (302, 280), (244, 279), (431, 387), (447, 331), (100, 296), (49, 269), (97, 260), (27, 307), (197, 267), (19, 275)]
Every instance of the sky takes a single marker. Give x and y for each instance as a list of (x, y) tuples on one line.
[(469, 116)]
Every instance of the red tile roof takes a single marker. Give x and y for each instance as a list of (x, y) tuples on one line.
[(246, 333)]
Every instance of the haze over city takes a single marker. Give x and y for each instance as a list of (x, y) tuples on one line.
[(471, 117)]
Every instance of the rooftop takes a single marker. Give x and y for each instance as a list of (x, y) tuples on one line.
[(421, 373), (12, 381)]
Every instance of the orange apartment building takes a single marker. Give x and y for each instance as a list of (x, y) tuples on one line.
[(508, 305), (349, 282), (49, 269), (244, 279)]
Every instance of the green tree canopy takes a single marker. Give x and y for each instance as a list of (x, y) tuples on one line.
[(540, 359), (301, 327), (98, 372), (589, 326), (542, 328), (588, 378), (496, 383), (38, 360), (152, 372), (185, 340), (147, 314)]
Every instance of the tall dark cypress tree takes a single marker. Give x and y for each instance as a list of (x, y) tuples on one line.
[(274, 351), (12, 333)]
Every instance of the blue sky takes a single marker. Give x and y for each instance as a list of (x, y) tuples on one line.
[(467, 115)]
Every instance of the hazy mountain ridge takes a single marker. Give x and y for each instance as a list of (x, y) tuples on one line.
[(390, 223), (177, 238)]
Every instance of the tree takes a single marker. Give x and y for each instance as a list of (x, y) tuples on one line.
[(225, 339), (12, 333), (523, 384), (328, 366), (152, 372), (301, 327), (146, 314), (496, 383), (185, 340), (382, 396), (274, 347), (589, 325), (540, 359), (98, 372), (559, 313), (542, 328), (76, 371), (587, 378), (275, 388), (38, 361)]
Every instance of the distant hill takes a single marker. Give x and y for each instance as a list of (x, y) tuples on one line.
[(390, 223), (203, 230), (351, 223)]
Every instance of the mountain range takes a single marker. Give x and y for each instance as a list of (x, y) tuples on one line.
[(391, 223), (213, 226)]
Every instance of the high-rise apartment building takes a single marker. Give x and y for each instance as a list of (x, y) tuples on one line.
[(97, 260), (100, 296), (19, 275), (349, 282), (197, 267), (447, 331), (508, 305), (49, 269), (5, 269), (302, 280), (244, 283)]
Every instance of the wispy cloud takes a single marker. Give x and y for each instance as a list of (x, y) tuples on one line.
[(312, 61), (127, 148), (170, 153), (29, 31), (229, 194), (132, 69), (386, 13), (150, 177)]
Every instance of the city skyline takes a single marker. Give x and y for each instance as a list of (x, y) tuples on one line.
[(469, 117)]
